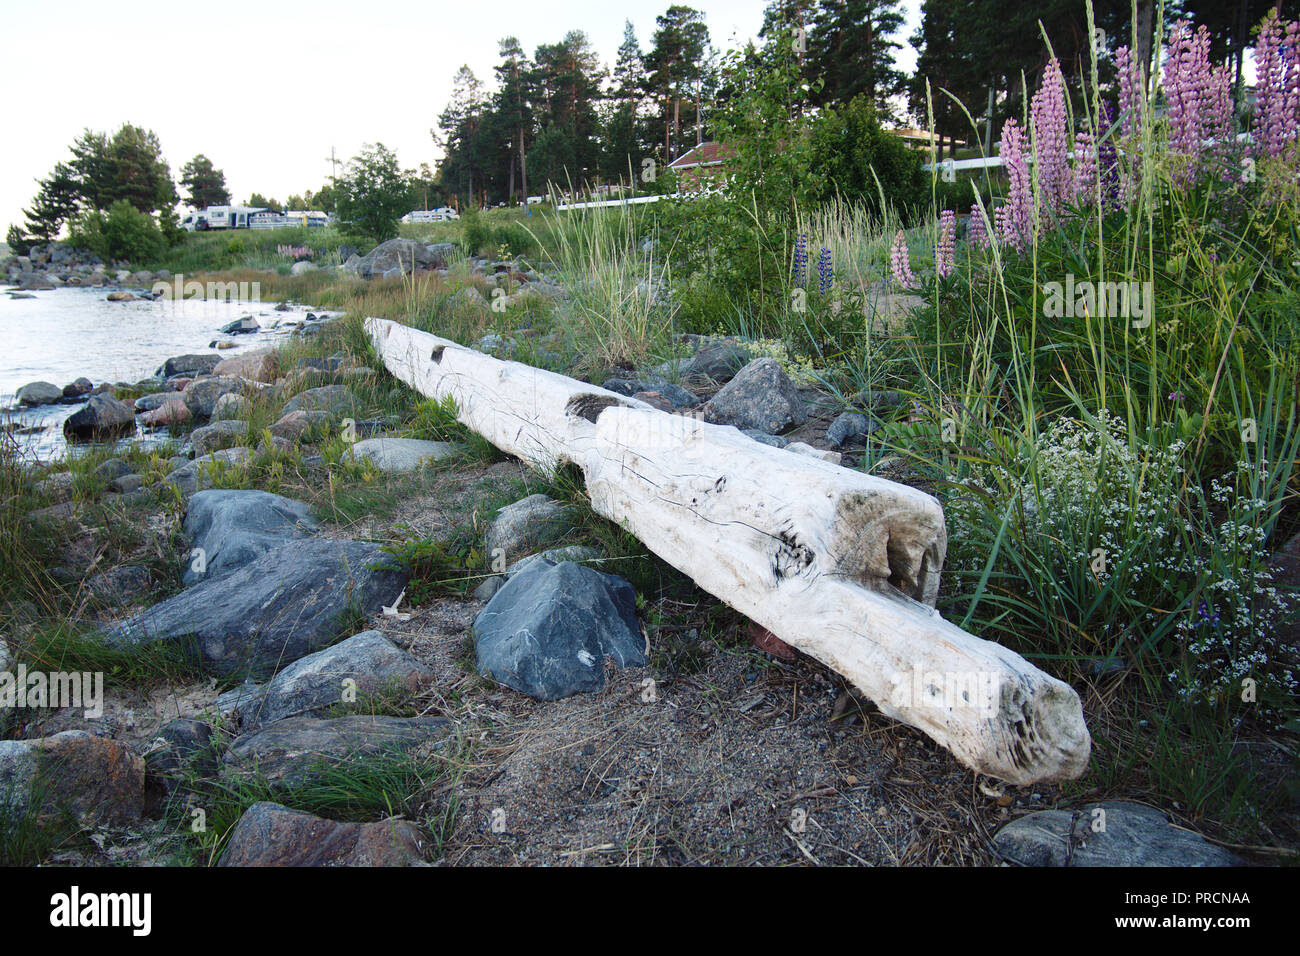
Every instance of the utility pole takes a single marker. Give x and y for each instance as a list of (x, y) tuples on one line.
[(334, 176), (988, 126)]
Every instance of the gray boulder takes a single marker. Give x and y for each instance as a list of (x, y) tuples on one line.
[(289, 602), (497, 345), (335, 399), (244, 326), (851, 428), (313, 684), (103, 416), (1122, 834), (526, 526), (111, 468), (92, 780), (147, 403), (200, 364), (397, 455), (35, 282), (776, 441), (197, 475), (292, 751), (201, 395), (78, 387), (441, 254), (234, 527), (230, 407), (677, 396), (217, 435), (488, 587), (761, 396), (398, 257), (39, 393), (548, 631), (269, 834), (576, 553), (718, 361)]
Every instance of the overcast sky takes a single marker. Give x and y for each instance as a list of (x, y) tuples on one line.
[(266, 88)]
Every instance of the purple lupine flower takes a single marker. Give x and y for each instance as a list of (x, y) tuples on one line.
[(801, 258), (1132, 93), (1132, 98), (1016, 216), (825, 271), (1277, 86), (899, 263), (945, 257), (1049, 124), (1193, 94), (1107, 158), (1085, 165), (976, 234)]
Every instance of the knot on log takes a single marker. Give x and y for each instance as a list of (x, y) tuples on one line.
[(590, 406), (877, 540)]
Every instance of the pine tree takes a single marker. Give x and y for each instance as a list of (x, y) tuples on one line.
[(513, 104), (851, 48), (677, 74), (55, 203), (206, 185), (460, 125)]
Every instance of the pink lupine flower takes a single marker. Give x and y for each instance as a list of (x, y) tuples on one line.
[(1132, 97), (1277, 86), (1132, 93), (976, 234), (899, 263), (1193, 94), (945, 253), (1085, 165), (1047, 116), (1015, 224)]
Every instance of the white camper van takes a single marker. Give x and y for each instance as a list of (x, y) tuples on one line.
[(220, 217)]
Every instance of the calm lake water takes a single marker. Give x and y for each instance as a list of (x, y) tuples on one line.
[(64, 334)]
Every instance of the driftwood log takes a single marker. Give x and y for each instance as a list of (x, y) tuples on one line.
[(837, 563)]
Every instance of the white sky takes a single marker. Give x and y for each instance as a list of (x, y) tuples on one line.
[(266, 88)]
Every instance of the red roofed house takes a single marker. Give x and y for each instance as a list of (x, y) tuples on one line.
[(701, 166)]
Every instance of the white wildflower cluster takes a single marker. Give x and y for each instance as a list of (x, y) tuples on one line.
[(1085, 496), (801, 370)]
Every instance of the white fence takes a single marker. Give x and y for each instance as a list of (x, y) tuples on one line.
[(604, 203)]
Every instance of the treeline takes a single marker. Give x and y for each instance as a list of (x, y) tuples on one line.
[(561, 117), (116, 196)]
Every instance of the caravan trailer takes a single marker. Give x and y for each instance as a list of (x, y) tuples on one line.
[(310, 218), (221, 217), (441, 214)]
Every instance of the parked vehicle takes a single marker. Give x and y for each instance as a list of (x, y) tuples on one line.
[(441, 214), (311, 218), (221, 217)]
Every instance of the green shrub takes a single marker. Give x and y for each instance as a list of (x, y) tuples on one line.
[(122, 234), (861, 162)]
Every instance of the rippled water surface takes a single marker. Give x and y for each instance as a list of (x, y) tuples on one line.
[(64, 334)]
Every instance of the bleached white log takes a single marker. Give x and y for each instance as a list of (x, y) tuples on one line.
[(840, 564)]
